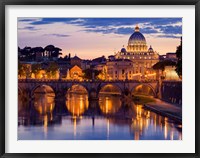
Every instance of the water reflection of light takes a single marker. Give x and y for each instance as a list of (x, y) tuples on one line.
[(81, 102), (172, 135), (155, 124), (51, 116), (160, 122), (45, 120), (137, 110), (51, 107), (137, 135), (165, 130), (148, 114), (144, 123), (141, 124), (44, 103), (45, 125), (75, 126), (145, 119), (77, 103), (180, 136), (136, 129), (108, 128), (147, 123), (109, 104)]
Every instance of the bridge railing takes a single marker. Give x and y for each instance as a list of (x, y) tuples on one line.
[(68, 80)]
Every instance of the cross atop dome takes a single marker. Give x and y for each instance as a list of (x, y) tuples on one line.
[(137, 29)]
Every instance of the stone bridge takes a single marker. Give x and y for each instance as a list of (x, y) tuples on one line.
[(93, 87)]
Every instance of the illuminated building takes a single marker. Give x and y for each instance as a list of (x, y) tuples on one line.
[(137, 51), (169, 56), (76, 73), (120, 69)]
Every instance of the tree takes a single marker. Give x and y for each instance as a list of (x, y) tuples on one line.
[(26, 54), (179, 62), (49, 49), (161, 64), (24, 70), (103, 74), (21, 71), (52, 69), (35, 51), (36, 68), (56, 52), (88, 73)]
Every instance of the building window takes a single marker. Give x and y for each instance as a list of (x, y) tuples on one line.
[(123, 71), (129, 72), (115, 72)]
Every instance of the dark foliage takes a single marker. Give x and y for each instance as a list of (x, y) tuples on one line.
[(179, 63)]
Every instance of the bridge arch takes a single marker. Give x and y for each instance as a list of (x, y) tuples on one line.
[(47, 88), (110, 88), (77, 87), (144, 88)]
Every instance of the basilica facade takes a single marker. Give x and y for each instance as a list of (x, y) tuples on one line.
[(143, 57)]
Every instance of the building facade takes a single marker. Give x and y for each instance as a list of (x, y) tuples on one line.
[(137, 51), (120, 69), (76, 73), (76, 61)]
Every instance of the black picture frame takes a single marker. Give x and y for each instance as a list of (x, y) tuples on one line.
[(4, 3)]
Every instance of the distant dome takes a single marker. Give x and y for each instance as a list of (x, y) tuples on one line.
[(150, 49), (137, 38), (123, 50)]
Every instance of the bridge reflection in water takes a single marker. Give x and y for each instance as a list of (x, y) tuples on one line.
[(77, 118)]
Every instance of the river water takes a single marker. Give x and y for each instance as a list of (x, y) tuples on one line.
[(78, 119)]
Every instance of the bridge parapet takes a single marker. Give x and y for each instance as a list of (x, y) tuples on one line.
[(93, 87), (87, 81)]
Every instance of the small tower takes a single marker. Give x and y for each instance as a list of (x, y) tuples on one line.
[(137, 29)]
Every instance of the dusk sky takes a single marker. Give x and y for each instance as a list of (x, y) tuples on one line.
[(93, 37)]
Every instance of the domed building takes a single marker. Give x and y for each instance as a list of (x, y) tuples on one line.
[(137, 42), (142, 56)]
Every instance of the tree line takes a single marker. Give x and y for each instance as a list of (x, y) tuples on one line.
[(26, 70), (31, 54), (161, 64)]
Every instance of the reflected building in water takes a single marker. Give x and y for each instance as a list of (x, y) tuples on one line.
[(108, 118)]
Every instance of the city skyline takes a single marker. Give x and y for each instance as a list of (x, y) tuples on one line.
[(93, 37)]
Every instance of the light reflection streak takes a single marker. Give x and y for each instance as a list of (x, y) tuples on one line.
[(108, 128), (141, 120)]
